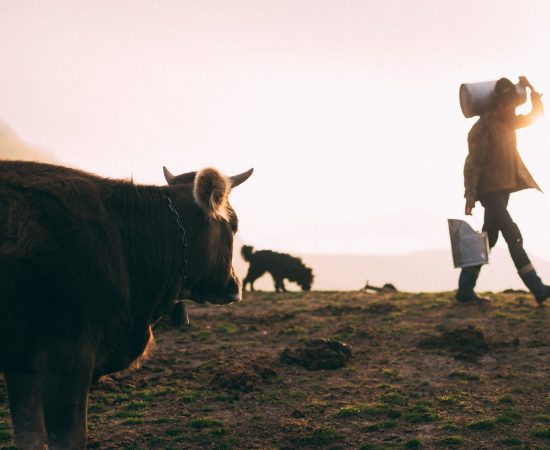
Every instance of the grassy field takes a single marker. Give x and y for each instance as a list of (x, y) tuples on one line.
[(425, 372)]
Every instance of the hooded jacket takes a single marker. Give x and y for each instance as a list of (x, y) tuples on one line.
[(493, 163)]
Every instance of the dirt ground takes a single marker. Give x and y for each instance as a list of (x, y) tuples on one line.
[(417, 371)]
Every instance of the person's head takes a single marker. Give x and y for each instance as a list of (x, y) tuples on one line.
[(506, 97)]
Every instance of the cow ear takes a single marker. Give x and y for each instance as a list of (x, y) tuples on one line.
[(211, 191)]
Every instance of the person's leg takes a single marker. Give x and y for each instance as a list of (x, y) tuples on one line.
[(469, 275), (466, 284), (497, 204)]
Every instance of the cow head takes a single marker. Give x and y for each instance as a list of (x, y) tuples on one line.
[(210, 276)]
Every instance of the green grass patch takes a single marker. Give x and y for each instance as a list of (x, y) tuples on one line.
[(507, 399), (463, 375), (205, 422), (544, 418), (420, 413), (320, 437), (447, 441), (297, 395), (189, 396), (125, 414), (543, 433), (508, 417), (393, 398), (174, 431), (511, 442), (296, 330), (451, 427), (487, 423), (228, 328), (455, 399), (116, 397), (134, 446), (135, 406), (5, 436), (162, 420), (132, 421), (373, 447), (364, 410), (413, 444), (377, 426), (391, 374)]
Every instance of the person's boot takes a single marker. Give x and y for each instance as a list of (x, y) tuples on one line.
[(533, 282), (466, 284)]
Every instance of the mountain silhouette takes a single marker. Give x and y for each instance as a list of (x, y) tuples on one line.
[(12, 147)]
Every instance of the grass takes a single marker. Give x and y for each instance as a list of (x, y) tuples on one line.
[(487, 423), (420, 413), (205, 422), (453, 440), (393, 398), (542, 433), (319, 437), (392, 394), (463, 375), (413, 444), (5, 436), (508, 417), (507, 399), (363, 410), (378, 426), (460, 399)]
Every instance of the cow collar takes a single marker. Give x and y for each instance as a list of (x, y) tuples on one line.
[(179, 312), (184, 240)]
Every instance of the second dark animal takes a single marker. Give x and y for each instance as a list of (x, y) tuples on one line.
[(279, 266)]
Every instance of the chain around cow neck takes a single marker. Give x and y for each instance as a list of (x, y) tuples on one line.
[(184, 239)]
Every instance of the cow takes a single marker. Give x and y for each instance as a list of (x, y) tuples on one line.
[(87, 266), (279, 266)]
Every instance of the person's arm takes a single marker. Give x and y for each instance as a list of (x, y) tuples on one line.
[(537, 108), (478, 143)]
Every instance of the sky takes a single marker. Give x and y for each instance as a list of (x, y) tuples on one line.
[(347, 110)]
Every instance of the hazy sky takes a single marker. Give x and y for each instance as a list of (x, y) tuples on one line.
[(348, 110)]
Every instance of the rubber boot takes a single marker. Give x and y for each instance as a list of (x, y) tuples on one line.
[(466, 284), (533, 282)]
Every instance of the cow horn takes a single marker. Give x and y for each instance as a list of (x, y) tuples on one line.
[(184, 178), (241, 178), (167, 175)]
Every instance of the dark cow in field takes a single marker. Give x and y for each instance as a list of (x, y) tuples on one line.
[(279, 266), (87, 266)]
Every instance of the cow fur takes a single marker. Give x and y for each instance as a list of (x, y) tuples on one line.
[(87, 266), (279, 265)]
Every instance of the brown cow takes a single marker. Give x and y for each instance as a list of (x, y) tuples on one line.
[(87, 266)]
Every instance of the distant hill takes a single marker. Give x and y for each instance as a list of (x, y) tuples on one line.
[(428, 271), (12, 147)]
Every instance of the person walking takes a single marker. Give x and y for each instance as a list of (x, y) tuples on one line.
[(492, 171)]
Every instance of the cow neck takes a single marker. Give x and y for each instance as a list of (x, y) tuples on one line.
[(184, 240)]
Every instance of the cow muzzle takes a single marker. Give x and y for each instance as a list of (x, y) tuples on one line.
[(231, 293)]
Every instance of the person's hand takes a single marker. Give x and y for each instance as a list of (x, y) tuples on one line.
[(468, 208), (525, 82)]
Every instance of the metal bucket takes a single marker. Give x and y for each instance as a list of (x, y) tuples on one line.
[(470, 247), (476, 98)]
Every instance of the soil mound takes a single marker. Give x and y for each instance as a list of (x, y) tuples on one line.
[(242, 377), (467, 344), (318, 354)]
